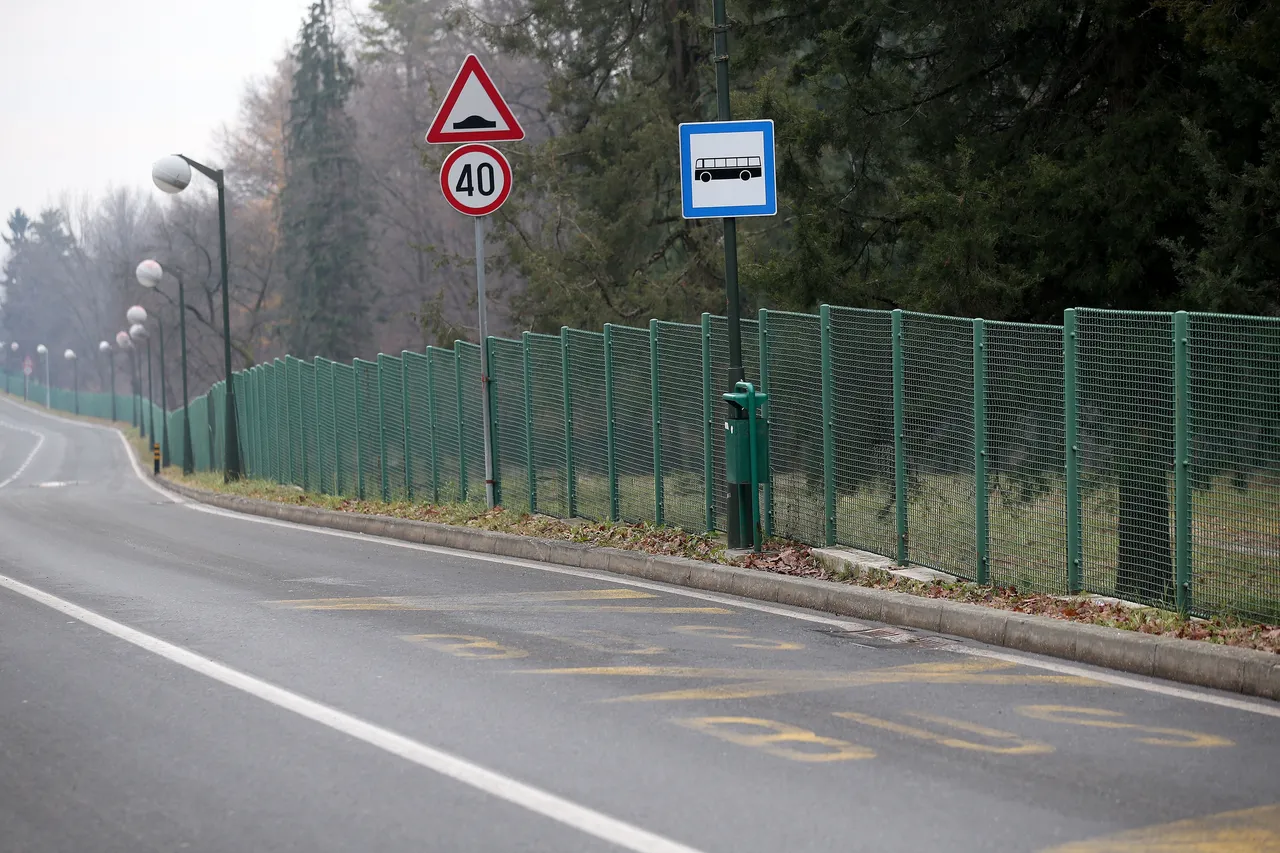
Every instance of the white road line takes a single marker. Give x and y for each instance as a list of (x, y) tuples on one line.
[(30, 456), (1098, 674), (559, 809)]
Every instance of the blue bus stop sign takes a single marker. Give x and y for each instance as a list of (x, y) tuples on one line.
[(727, 169)]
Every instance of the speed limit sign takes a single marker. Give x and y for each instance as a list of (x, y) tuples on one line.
[(476, 179)]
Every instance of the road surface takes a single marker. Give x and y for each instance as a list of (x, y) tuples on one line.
[(174, 677)]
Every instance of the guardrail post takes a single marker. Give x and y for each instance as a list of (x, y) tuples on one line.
[(981, 526), (828, 440), (708, 471), (1070, 406), (1182, 459), (899, 438), (528, 427), (610, 449)]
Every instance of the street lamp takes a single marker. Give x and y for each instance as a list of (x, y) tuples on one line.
[(70, 356), (172, 174), (105, 347), (150, 274), (139, 332), (44, 351)]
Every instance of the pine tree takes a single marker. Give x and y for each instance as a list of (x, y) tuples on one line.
[(324, 205)]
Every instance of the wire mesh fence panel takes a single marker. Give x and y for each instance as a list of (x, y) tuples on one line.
[(471, 422), (310, 437), (218, 425), (938, 442), (199, 414), (419, 438), (750, 330), (862, 433), (633, 423), (178, 454), (684, 487), (326, 451), (795, 426), (391, 393), (506, 383), (546, 404), (1126, 440), (346, 464), (446, 423), (589, 436), (1026, 490), (1235, 467), (371, 448)]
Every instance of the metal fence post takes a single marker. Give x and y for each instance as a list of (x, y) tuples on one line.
[(404, 409), (360, 451), (431, 417), (610, 451), (828, 440), (707, 447), (382, 435), (763, 326), (1070, 424), (655, 421), (1182, 458), (899, 437), (491, 434), (462, 444), (981, 526), (337, 447), (528, 427), (571, 486), (290, 386)]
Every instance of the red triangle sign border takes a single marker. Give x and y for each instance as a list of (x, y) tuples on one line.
[(439, 133)]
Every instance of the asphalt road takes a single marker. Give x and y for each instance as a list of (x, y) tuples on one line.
[(174, 677)]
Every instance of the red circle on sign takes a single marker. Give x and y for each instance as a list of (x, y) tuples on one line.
[(450, 188)]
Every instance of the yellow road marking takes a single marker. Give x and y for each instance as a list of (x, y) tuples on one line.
[(1020, 745), (778, 739), (1101, 718), (542, 602), (726, 633), (1245, 831), (468, 646), (753, 683)]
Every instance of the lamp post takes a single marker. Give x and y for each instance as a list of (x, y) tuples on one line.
[(70, 355), (172, 174), (139, 332), (104, 347), (44, 351), (150, 274)]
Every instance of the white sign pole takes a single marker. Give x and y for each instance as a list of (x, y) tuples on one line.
[(484, 365)]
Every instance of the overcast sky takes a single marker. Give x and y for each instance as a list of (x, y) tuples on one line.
[(95, 90)]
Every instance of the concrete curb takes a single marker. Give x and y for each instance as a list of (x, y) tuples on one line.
[(1246, 671)]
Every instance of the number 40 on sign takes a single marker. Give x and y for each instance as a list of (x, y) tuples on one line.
[(475, 179)]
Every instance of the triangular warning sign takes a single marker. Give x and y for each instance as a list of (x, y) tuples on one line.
[(473, 111)]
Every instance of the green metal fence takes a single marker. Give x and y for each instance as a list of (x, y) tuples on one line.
[(1122, 453)]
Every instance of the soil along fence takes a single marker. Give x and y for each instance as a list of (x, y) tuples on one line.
[(1122, 453)]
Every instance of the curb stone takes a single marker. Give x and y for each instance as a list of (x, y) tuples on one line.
[(1246, 671)]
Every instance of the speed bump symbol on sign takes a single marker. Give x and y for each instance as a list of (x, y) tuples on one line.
[(475, 179)]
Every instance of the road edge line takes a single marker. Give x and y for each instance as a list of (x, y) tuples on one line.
[(1244, 671)]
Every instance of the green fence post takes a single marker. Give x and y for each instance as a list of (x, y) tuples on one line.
[(980, 450), (435, 424), (528, 428), (899, 437), (337, 447), (608, 422), (828, 440), (495, 418), (767, 513), (290, 386), (404, 409), (382, 435), (1070, 418), (571, 487), (360, 451), (315, 371), (707, 447), (1182, 458), (462, 444), (655, 421)]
